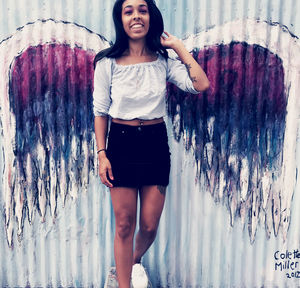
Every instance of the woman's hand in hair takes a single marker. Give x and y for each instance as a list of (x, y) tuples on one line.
[(196, 73), (170, 41)]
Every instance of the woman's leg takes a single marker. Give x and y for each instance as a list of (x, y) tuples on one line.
[(124, 202), (152, 203)]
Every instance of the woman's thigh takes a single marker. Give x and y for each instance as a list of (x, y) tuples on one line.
[(152, 204), (124, 202)]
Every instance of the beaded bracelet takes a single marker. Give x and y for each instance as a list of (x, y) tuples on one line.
[(101, 150)]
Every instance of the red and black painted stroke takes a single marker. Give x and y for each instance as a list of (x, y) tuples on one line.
[(247, 103), (240, 119), (50, 93)]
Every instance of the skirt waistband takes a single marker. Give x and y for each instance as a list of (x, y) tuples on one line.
[(122, 127)]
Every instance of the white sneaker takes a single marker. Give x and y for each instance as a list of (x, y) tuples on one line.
[(139, 278)]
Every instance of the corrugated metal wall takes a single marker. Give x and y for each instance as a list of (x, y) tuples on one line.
[(232, 213)]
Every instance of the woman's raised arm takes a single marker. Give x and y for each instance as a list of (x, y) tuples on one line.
[(196, 73)]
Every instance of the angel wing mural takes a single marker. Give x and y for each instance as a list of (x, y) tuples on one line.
[(241, 130), (48, 142)]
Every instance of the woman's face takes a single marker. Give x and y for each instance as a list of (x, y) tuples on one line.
[(135, 18)]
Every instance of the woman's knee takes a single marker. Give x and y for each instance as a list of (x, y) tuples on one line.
[(125, 226), (149, 231)]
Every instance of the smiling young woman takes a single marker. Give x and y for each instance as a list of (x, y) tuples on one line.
[(130, 87), (135, 18)]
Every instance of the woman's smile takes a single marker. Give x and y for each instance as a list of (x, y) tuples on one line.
[(137, 26)]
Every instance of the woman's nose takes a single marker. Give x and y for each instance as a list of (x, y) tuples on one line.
[(136, 15)]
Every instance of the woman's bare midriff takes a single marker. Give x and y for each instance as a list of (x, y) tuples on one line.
[(138, 122)]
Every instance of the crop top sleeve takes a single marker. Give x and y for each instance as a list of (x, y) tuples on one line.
[(178, 75), (102, 87)]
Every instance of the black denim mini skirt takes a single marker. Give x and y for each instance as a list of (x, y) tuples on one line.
[(139, 155)]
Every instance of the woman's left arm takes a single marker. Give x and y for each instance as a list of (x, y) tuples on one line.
[(196, 73)]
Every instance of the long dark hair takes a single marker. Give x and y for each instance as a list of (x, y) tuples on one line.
[(156, 28)]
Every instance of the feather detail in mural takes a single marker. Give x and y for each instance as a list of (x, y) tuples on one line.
[(30, 186)]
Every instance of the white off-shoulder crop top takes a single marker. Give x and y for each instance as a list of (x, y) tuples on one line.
[(137, 91)]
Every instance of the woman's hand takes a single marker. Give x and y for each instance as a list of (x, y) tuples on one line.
[(105, 170), (170, 41), (104, 164)]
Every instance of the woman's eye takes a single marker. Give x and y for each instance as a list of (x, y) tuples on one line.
[(144, 11), (127, 12)]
